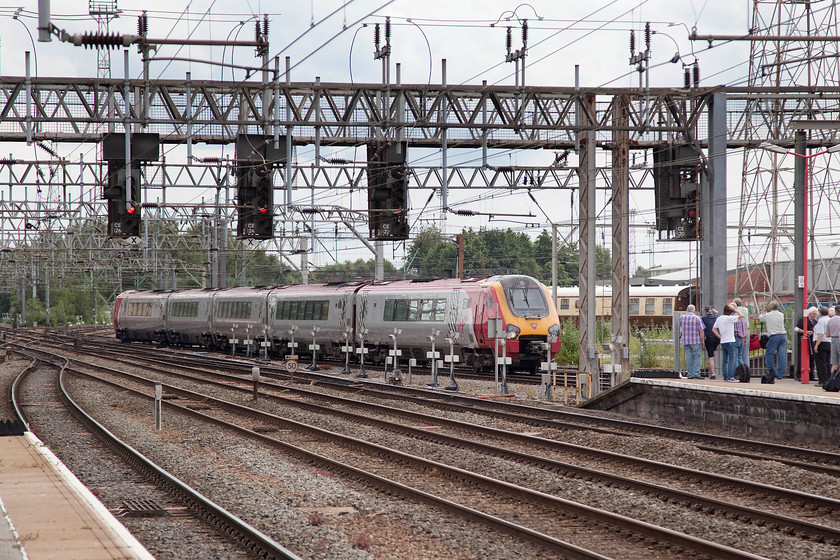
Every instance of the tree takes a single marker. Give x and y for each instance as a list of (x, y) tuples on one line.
[(488, 252), (355, 270)]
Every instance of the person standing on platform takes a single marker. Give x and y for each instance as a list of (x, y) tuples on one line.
[(691, 337), (724, 328), (822, 346), (742, 331), (745, 351), (775, 356), (711, 340), (834, 334), (812, 314)]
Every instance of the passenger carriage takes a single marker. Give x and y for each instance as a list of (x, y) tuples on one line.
[(139, 316), (188, 317)]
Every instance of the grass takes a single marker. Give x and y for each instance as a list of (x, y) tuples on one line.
[(645, 349)]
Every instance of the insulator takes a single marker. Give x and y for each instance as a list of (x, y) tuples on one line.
[(687, 77), (505, 168), (465, 212), (143, 24), (376, 35), (696, 70), (525, 32), (339, 161), (211, 160), (647, 35), (257, 31), (7, 161), (388, 30), (47, 149), (508, 40), (632, 42), (102, 40), (265, 27)]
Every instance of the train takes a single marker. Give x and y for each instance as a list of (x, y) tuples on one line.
[(649, 306), (365, 314)]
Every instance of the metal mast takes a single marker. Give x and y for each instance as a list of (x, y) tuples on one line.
[(103, 11), (786, 50)]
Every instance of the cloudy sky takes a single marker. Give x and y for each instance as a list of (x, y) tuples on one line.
[(334, 40)]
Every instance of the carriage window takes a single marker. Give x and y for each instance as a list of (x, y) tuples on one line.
[(138, 309), (564, 303), (312, 310), (650, 305), (234, 309), (184, 309), (440, 310), (634, 306), (667, 306), (413, 307), (401, 311), (426, 309)]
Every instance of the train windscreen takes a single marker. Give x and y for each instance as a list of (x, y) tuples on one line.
[(525, 297)]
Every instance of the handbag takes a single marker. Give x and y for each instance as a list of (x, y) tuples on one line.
[(763, 340), (755, 342)]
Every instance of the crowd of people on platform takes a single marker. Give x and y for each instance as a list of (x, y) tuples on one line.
[(730, 333)]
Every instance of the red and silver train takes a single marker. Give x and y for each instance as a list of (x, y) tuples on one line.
[(363, 312)]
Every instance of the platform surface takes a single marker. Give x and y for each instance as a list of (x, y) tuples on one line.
[(782, 388), (47, 514)]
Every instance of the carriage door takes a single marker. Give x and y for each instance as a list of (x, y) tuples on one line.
[(481, 318)]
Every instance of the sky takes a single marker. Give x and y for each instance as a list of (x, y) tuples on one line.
[(333, 40)]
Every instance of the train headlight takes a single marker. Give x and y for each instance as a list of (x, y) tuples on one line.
[(512, 332), (554, 333)]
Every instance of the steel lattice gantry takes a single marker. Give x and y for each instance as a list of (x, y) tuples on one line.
[(65, 111)]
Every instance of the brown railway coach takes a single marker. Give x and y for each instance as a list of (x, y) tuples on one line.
[(649, 305)]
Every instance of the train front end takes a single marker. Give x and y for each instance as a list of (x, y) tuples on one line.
[(530, 320)]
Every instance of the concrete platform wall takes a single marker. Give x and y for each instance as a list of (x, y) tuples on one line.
[(752, 412)]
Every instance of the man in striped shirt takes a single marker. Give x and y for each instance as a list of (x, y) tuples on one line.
[(691, 337)]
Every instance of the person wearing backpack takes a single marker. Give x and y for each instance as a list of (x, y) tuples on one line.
[(724, 328), (711, 341)]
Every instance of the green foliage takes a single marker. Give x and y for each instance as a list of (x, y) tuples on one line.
[(569, 339), (650, 352), (352, 270), (488, 252)]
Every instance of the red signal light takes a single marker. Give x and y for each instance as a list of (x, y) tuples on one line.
[(263, 211), (129, 209)]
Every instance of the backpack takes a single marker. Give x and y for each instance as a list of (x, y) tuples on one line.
[(742, 373), (833, 383)]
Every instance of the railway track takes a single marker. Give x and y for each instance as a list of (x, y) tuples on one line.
[(540, 417), (475, 496), (169, 489), (392, 421)]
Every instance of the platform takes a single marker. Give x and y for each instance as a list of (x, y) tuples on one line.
[(786, 409), (47, 514)]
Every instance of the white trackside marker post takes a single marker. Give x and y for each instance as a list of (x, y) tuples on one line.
[(158, 405)]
